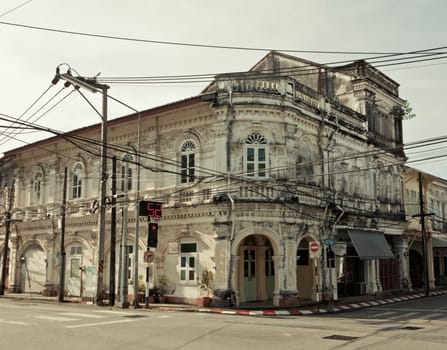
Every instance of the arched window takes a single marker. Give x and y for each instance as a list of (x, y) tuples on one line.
[(187, 160), (305, 166), (37, 186), (77, 180), (256, 156), (126, 173)]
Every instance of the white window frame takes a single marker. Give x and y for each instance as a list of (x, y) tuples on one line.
[(187, 269), (254, 167), (126, 178), (77, 177), (188, 162), (37, 186)]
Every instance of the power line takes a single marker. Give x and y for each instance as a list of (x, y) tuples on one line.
[(4, 138), (308, 69), (15, 8), (176, 43)]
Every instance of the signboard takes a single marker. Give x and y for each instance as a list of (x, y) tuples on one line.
[(329, 241), (148, 257), (90, 282), (339, 248), (150, 209), (314, 250)]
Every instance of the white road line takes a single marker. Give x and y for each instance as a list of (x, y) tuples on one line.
[(56, 318), (433, 315), (115, 312), (81, 315), (381, 314), (98, 324), (405, 315), (18, 323)]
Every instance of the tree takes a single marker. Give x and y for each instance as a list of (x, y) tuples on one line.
[(405, 111)]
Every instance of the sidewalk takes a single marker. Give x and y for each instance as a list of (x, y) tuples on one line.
[(345, 304)]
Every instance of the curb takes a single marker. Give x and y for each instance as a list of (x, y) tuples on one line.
[(321, 310), (306, 311)]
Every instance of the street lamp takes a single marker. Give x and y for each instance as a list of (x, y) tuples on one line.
[(93, 86)]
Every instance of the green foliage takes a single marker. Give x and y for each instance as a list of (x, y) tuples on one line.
[(405, 111), (206, 280)]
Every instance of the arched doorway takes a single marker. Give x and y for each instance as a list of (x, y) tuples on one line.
[(416, 269), (33, 270), (256, 276), (304, 270)]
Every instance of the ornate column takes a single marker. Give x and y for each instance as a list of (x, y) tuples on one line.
[(401, 249), (372, 276), (431, 270), (279, 279), (224, 281), (14, 272), (234, 263), (50, 280)]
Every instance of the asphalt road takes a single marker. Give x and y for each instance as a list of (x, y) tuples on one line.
[(418, 324)]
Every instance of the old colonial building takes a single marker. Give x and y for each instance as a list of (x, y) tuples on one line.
[(250, 172), (426, 199)]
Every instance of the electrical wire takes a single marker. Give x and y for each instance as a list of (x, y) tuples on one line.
[(15, 8), (176, 43), (27, 110)]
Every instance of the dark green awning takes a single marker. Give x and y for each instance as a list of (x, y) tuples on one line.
[(370, 244)]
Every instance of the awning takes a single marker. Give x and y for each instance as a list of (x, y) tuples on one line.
[(370, 244)]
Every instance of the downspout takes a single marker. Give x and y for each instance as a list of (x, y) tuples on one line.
[(230, 243), (320, 146), (231, 215), (332, 235)]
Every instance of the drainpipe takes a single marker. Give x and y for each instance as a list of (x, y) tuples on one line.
[(320, 146), (331, 236), (230, 241)]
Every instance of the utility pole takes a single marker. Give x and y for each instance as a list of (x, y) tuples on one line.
[(422, 215), (113, 237), (124, 257), (8, 207), (93, 86), (5, 251), (62, 247)]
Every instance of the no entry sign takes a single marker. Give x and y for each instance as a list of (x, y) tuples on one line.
[(314, 249)]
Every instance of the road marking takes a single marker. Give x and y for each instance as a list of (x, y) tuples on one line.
[(381, 314), (433, 315), (99, 324), (18, 323), (56, 318), (115, 312), (405, 315), (75, 314)]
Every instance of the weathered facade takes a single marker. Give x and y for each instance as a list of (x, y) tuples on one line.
[(426, 200), (250, 172)]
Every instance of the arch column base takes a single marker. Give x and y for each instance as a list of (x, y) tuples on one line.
[(224, 298), (286, 298), (50, 290)]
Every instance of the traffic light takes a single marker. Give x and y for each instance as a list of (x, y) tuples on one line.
[(152, 235)]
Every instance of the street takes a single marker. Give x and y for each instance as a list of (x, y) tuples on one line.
[(418, 324)]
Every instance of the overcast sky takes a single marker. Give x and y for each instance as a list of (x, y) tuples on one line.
[(28, 57)]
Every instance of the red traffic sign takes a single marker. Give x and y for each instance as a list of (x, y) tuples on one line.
[(314, 249)]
